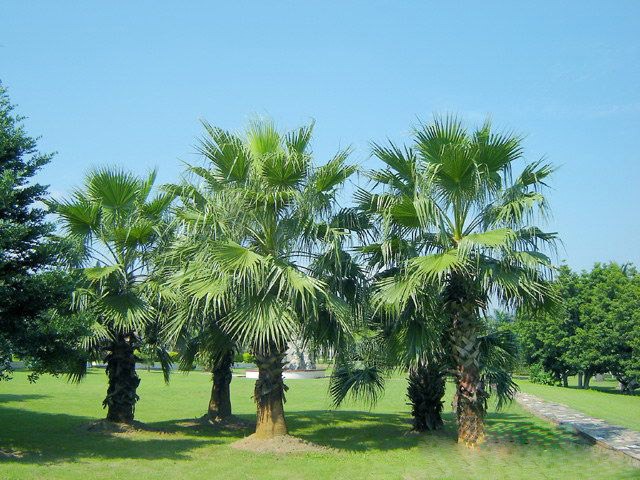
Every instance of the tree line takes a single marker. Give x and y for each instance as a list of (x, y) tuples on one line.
[(252, 251), (593, 329)]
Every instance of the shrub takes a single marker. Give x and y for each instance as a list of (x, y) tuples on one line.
[(248, 358), (245, 357), (537, 374)]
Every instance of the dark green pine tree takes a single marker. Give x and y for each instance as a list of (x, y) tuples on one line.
[(29, 287)]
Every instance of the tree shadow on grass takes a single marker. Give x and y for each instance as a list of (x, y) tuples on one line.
[(34, 437), (353, 431), (359, 431), (613, 390), (10, 397), (197, 427), (362, 431), (343, 430)]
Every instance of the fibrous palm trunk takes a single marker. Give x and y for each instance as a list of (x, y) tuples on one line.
[(220, 401), (123, 380), (470, 397), (269, 395), (425, 391)]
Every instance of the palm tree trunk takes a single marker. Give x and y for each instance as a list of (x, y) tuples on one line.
[(470, 397), (123, 380), (470, 405), (425, 391), (269, 395), (220, 401)]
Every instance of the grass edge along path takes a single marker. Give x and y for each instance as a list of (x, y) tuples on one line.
[(613, 437), (599, 401)]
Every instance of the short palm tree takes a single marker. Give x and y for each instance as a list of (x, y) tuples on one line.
[(452, 215), (253, 233), (194, 329), (196, 334), (118, 227), (415, 341), (202, 341)]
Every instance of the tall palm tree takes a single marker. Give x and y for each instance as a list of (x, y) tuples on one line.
[(452, 215), (252, 236), (118, 227)]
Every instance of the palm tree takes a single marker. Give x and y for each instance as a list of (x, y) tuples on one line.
[(202, 341), (194, 329), (253, 233), (118, 227), (453, 216)]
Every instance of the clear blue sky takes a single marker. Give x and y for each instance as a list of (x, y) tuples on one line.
[(126, 82)]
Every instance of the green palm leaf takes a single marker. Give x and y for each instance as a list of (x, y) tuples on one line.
[(113, 189), (98, 273), (434, 267)]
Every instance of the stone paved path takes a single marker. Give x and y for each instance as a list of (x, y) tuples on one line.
[(610, 436)]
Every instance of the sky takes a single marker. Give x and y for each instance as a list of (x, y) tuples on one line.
[(127, 83)]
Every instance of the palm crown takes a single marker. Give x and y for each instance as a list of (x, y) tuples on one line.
[(453, 201)]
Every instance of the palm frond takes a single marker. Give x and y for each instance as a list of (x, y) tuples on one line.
[(112, 188)]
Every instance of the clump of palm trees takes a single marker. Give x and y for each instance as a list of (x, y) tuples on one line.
[(252, 251), (455, 229)]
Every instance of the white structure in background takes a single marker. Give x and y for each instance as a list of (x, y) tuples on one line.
[(291, 374), (300, 364), (299, 358)]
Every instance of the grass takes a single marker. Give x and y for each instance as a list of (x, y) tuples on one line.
[(601, 401), (41, 422)]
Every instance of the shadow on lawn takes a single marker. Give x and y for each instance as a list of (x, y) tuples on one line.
[(10, 397), (196, 427), (614, 390), (362, 431), (353, 430), (33, 437), (359, 431), (342, 430)]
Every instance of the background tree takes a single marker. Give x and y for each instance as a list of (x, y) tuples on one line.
[(31, 284), (118, 227), (203, 341), (255, 269), (609, 311), (452, 199), (591, 331), (545, 335)]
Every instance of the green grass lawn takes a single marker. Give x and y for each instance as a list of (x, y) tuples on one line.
[(601, 401), (41, 422)]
